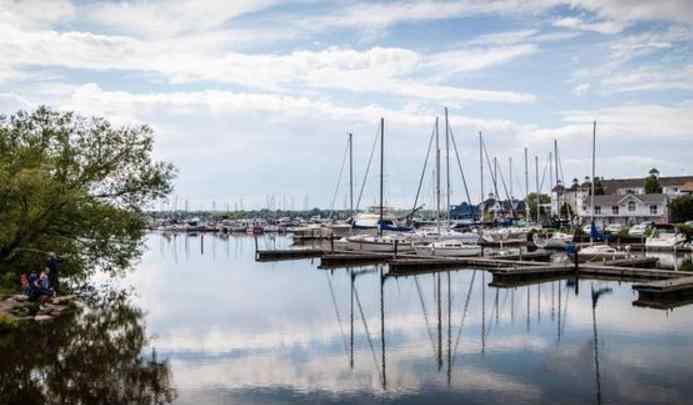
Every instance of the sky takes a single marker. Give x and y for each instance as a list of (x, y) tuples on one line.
[(252, 100)]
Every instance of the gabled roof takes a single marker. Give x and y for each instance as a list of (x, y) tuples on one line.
[(613, 185), (615, 199)]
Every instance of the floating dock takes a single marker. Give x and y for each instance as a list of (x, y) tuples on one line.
[(286, 254)]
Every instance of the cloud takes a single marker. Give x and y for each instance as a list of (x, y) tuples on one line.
[(35, 14), (603, 27), (651, 78), (581, 89), (158, 18), (376, 70)]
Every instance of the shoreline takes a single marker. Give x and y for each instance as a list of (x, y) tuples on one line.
[(16, 309)]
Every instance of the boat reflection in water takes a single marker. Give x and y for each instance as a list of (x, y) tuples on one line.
[(230, 330)]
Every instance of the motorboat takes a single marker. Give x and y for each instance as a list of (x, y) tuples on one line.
[(602, 251), (665, 239), (558, 240), (448, 248)]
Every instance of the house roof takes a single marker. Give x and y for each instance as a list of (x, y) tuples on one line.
[(611, 186), (615, 199)]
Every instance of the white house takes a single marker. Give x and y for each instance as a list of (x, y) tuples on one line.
[(626, 209), (671, 186)]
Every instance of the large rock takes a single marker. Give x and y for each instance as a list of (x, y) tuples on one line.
[(20, 298), (43, 318)]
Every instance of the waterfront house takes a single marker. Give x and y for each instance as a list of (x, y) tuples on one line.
[(628, 209)]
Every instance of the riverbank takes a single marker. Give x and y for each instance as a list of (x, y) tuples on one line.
[(17, 308)]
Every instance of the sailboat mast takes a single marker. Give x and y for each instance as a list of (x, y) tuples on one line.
[(481, 171), (437, 177), (447, 166), (536, 178), (526, 185), (555, 156), (351, 174), (594, 153), (382, 171)]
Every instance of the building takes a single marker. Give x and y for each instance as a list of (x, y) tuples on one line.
[(671, 186), (628, 209), (624, 201), (496, 210), (464, 211)]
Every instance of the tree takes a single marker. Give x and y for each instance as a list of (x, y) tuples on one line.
[(681, 209), (652, 185), (75, 186), (532, 203)]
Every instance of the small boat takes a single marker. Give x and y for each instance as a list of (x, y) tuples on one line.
[(448, 248), (379, 243), (602, 251), (558, 240), (668, 239)]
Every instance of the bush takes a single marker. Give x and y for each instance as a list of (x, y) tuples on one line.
[(8, 281), (7, 323)]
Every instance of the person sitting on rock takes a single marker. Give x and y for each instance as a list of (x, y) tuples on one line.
[(44, 283)]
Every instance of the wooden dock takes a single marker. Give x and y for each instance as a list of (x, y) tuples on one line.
[(286, 254), (665, 286), (642, 262)]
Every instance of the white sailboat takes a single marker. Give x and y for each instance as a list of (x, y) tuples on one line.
[(448, 247), (665, 239), (558, 240)]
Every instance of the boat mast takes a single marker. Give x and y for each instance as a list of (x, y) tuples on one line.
[(594, 152), (351, 175), (537, 198), (382, 166), (437, 177), (481, 162), (447, 166), (526, 186), (558, 193)]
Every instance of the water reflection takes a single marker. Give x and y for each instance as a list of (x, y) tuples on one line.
[(235, 331), (94, 356)]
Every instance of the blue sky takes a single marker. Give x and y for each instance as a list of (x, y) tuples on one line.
[(251, 98)]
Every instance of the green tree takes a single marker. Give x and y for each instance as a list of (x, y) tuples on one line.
[(681, 209), (532, 203), (652, 185), (75, 186)]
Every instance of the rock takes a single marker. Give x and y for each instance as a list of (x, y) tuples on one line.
[(42, 318), (64, 299), (20, 298)]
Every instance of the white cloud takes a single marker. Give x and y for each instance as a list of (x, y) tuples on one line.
[(35, 14), (158, 18), (603, 27), (376, 70), (581, 89), (651, 78)]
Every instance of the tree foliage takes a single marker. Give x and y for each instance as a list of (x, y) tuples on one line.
[(652, 185), (681, 209), (532, 203), (75, 186)]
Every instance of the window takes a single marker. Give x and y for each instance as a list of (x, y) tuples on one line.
[(614, 210), (597, 210), (653, 209), (631, 206)]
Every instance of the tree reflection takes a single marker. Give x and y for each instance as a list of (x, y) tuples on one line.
[(91, 357)]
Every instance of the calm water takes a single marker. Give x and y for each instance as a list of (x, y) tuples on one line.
[(223, 329)]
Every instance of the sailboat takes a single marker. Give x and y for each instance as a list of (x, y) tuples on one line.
[(446, 242), (380, 242)]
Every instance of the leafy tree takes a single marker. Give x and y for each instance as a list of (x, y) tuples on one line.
[(75, 186), (652, 185), (681, 209), (532, 203)]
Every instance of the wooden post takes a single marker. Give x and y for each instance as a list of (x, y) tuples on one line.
[(332, 244), (396, 245)]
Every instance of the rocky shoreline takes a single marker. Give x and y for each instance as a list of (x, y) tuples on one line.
[(15, 309)]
